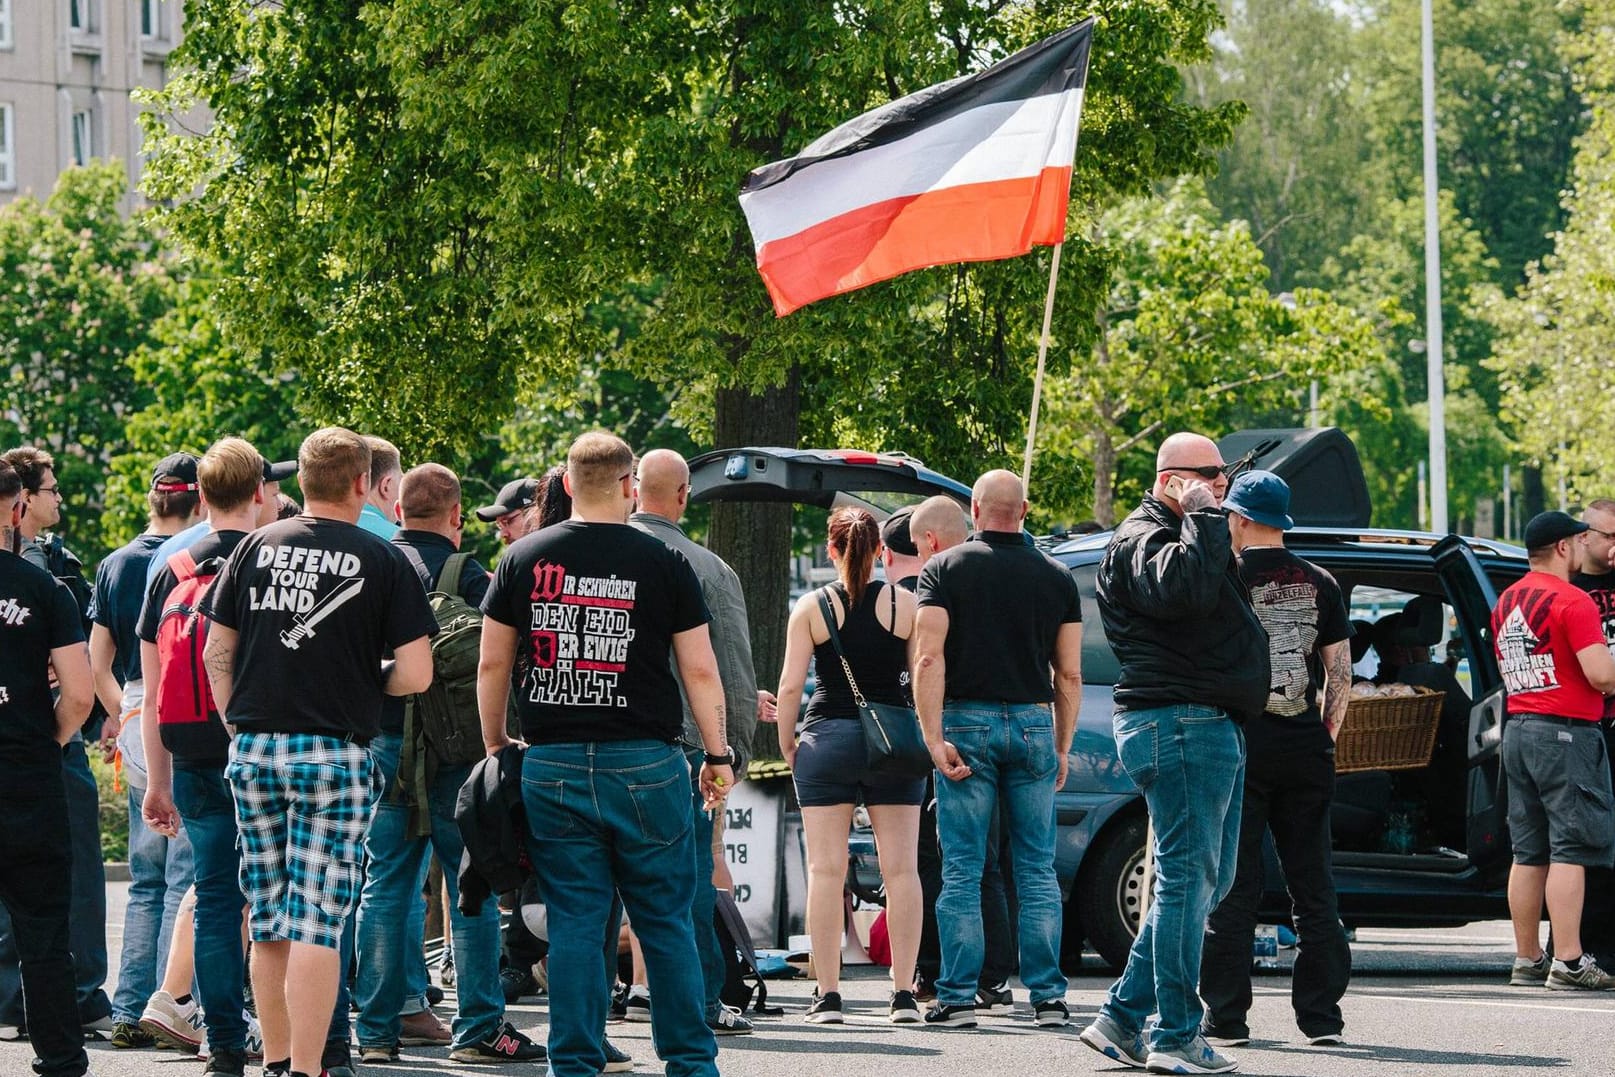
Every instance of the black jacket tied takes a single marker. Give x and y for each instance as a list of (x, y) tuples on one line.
[(494, 826), (1178, 616)]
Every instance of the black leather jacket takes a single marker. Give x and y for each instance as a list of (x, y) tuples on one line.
[(1177, 615), (493, 825)]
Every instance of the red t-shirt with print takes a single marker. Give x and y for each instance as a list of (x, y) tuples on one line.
[(1539, 625)]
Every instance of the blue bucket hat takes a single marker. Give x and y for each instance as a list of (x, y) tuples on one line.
[(1261, 497)]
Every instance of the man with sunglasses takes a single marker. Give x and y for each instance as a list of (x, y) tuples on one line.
[(1596, 576), (1194, 663)]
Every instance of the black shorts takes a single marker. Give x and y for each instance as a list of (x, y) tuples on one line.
[(1561, 808), (832, 767)]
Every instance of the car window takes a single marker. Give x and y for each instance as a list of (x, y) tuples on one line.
[(1099, 664)]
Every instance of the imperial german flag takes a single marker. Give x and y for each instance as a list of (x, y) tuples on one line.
[(970, 170)]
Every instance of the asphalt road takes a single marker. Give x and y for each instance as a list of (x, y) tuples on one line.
[(1421, 1002)]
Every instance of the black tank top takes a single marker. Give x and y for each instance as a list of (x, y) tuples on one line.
[(879, 659)]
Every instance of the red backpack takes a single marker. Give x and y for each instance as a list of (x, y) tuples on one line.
[(187, 718)]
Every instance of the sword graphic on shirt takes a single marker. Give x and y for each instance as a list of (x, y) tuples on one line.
[(333, 600)]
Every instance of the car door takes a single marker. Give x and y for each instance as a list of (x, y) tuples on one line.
[(1473, 598)]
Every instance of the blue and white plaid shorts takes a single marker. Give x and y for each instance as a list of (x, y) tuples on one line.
[(303, 803)]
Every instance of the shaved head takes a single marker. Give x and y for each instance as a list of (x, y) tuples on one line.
[(664, 481), (1187, 450), (938, 523), (998, 501)]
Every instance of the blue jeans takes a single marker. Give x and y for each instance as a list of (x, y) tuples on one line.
[(1010, 750), (617, 814), (1189, 760), (389, 941), (159, 873), (713, 969), (203, 799)]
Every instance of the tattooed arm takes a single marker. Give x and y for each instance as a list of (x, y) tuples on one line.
[(219, 657), (1336, 685)]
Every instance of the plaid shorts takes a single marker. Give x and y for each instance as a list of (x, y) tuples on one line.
[(303, 803)]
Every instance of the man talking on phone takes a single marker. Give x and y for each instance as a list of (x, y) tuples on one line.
[(1194, 663)]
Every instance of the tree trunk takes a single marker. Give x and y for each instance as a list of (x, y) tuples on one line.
[(756, 538), (1104, 478)]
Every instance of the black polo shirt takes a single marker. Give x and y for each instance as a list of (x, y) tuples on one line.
[(1006, 601)]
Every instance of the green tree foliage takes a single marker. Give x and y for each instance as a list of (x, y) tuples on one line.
[(80, 289), (1301, 169), (1507, 112), (1552, 358), (419, 200), (1190, 339)]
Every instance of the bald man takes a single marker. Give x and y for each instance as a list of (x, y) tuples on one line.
[(664, 493), (983, 689), (937, 523), (1194, 663)]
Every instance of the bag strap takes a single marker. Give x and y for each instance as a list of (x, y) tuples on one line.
[(835, 641), (182, 565), (448, 581)]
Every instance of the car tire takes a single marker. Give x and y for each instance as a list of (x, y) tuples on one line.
[(1110, 891)]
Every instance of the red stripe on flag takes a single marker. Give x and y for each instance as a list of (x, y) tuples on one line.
[(973, 222)]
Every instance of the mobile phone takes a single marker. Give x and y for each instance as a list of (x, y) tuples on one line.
[(1174, 486)]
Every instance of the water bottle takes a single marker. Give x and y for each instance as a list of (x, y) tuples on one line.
[(1265, 953)]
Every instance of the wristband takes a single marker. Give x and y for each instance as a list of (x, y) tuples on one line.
[(727, 759)]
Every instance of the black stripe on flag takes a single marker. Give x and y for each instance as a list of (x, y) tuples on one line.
[(1052, 66)]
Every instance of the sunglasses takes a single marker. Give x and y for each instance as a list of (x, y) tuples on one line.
[(1205, 471)]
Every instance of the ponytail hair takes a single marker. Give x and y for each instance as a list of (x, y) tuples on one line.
[(855, 536)]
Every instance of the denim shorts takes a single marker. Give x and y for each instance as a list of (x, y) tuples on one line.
[(1560, 807), (303, 803), (832, 767)]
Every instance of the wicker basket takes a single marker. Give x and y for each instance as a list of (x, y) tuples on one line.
[(1389, 733)]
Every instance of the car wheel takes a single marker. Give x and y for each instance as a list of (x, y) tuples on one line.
[(1111, 890)]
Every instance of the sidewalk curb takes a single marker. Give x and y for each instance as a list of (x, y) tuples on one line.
[(117, 871)]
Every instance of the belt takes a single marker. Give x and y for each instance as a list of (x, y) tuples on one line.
[(1558, 719)]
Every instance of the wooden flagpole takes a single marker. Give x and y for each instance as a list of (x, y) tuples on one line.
[(1037, 383)]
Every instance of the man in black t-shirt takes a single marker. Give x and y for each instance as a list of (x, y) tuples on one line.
[(40, 631), (1289, 775), (1596, 576), (983, 691), (302, 614), (594, 605)]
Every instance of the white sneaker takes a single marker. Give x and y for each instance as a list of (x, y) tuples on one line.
[(255, 1038), (11, 1033), (176, 1024)]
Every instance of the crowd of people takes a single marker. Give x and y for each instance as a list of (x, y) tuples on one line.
[(311, 704)]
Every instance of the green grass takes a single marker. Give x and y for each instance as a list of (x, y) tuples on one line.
[(114, 809)]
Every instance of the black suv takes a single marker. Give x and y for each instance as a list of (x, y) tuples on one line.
[(1413, 848)]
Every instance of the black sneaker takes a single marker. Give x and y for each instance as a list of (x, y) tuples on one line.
[(516, 982), (942, 1016), (995, 1000), (128, 1035), (336, 1059), (619, 1003), (505, 1045), (1051, 1013), (1225, 1035), (278, 1069), (226, 1062), (905, 1010), (729, 1021), (617, 1060), (825, 1009), (434, 994)]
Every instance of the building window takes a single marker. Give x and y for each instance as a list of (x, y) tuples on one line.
[(81, 16), (83, 137), (8, 149), (5, 24), (151, 18)]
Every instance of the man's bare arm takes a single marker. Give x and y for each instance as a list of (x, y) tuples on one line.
[(76, 689), (219, 658), (930, 688), (497, 658), (1336, 685), (1067, 692)]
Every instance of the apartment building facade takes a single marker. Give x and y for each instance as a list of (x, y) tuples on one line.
[(67, 68)]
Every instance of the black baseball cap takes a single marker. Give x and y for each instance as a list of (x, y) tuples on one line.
[(276, 472), (175, 474), (515, 495), (895, 535), (1546, 528)]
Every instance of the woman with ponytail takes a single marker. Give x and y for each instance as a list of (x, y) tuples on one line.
[(874, 620)]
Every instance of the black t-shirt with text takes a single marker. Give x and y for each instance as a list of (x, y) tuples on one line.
[(317, 603), (1006, 601), (1601, 588), (1303, 611), (595, 608), (37, 615)]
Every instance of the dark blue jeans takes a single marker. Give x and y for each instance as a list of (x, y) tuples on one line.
[(203, 799), (607, 815)]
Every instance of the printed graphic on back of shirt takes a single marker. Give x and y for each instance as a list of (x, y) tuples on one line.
[(299, 583), (1288, 609), (582, 626), (1524, 646), (13, 614)]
